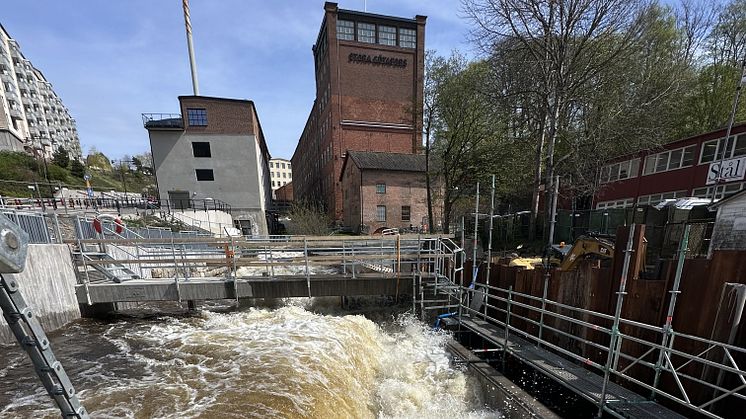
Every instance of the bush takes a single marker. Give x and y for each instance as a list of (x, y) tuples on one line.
[(56, 173), (77, 169), (60, 157), (308, 220)]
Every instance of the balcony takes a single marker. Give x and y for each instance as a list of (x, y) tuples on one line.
[(162, 121)]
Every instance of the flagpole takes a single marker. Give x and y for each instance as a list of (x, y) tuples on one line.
[(190, 46), (727, 133)]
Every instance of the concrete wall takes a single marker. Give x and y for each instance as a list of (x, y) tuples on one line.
[(211, 220), (729, 232), (48, 285)]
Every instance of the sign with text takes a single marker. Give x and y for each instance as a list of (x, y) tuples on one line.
[(377, 60), (732, 170)]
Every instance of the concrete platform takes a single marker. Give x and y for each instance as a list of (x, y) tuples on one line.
[(218, 288)]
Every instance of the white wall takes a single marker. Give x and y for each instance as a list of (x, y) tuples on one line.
[(48, 285), (211, 220), (729, 232)]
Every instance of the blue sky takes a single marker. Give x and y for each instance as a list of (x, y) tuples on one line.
[(111, 60)]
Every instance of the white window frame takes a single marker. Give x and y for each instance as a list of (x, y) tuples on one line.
[(366, 32), (381, 216), (387, 31), (407, 38), (612, 172), (650, 166), (346, 30)]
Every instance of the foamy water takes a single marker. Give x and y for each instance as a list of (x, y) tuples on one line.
[(283, 362)]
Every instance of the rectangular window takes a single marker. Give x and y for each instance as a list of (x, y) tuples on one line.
[(380, 188), (201, 149), (381, 213), (407, 38), (271, 165), (406, 213), (366, 32), (273, 183), (197, 117), (708, 151), (662, 162), (285, 175), (204, 174), (346, 30), (387, 35), (282, 165), (740, 148)]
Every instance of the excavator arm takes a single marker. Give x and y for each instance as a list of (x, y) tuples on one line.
[(585, 246)]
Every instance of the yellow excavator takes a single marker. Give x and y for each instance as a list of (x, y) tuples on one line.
[(598, 247)]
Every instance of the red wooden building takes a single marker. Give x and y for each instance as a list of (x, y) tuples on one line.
[(683, 168)]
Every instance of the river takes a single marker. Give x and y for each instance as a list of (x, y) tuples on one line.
[(300, 358)]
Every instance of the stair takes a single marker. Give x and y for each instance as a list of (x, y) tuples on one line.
[(97, 272)]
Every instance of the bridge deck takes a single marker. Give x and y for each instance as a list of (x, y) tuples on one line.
[(217, 288), (624, 402)]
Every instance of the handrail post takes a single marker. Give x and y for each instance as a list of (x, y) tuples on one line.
[(308, 271), (507, 327), (613, 347), (176, 273), (668, 326), (489, 251)]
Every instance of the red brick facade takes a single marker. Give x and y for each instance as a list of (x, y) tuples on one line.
[(367, 94), (363, 195), (285, 193)]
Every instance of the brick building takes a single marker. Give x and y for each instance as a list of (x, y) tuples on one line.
[(383, 190), (369, 75), (213, 150), (682, 168), (284, 193)]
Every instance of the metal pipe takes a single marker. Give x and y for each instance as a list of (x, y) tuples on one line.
[(474, 269), (489, 248), (617, 314), (667, 327), (727, 132)]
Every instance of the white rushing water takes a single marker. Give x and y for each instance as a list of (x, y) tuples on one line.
[(283, 362)]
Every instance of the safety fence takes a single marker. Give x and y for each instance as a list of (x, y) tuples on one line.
[(42, 228), (693, 374)]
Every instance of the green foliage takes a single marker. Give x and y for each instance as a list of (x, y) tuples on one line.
[(56, 173), (18, 166), (77, 169), (308, 220), (60, 157), (97, 161)]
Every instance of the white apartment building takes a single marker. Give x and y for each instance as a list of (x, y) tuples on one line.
[(32, 116), (280, 173)]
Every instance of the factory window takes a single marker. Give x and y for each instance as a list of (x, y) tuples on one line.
[(407, 38), (381, 213), (271, 165), (205, 174), (346, 30), (669, 160), (406, 213), (366, 32), (201, 149), (380, 188), (719, 149), (282, 165), (387, 35), (197, 117), (620, 171)]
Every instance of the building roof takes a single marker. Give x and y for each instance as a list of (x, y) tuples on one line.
[(730, 198), (397, 162)]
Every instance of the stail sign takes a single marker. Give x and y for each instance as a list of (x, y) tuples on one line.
[(733, 169)]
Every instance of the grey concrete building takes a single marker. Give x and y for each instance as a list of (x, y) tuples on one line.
[(214, 150), (32, 116)]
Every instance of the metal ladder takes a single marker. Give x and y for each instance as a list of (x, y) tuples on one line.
[(25, 326)]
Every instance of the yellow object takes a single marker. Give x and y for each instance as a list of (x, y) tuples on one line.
[(526, 263), (584, 246)]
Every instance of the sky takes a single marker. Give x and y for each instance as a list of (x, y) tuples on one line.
[(110, 61)]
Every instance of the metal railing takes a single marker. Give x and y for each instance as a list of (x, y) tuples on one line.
[(692, 372), (162, 120), (275, 257), (42, 228)]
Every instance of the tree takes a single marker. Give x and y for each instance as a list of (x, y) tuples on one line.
[(466, 146), (77, 169), (566, 44), (137, 163), (60, 157)]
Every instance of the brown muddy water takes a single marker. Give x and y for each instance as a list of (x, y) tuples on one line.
[(299, 358)]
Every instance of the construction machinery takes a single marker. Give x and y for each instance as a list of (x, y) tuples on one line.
[(595, 246)]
